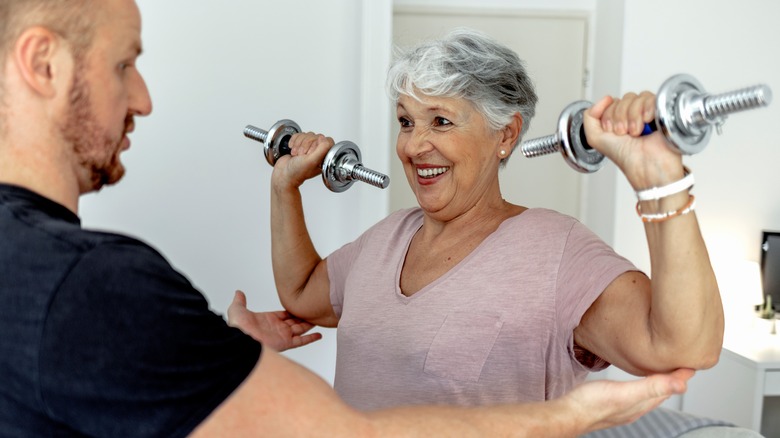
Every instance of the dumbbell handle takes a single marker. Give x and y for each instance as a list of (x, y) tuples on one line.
[(340, 168), (550, 143), (685, 115)]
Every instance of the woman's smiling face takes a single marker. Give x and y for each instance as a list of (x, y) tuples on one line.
[(449, 153)]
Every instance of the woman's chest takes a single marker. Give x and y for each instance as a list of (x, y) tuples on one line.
[(425, 263)]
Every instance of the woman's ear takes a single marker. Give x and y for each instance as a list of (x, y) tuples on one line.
[(509, 135), (37, 58)]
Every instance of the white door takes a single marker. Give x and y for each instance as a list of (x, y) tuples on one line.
[(554, 47)]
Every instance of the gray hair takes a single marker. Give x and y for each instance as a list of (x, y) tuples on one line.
[(470, 65)]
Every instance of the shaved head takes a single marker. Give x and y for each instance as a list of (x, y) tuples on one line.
[(73, 20)]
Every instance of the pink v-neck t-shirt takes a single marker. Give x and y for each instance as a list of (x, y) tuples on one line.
[(496, 328)]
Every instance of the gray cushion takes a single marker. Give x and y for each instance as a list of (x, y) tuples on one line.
[(669, 423)]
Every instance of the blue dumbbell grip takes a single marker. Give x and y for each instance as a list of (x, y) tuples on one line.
[(649, 128)]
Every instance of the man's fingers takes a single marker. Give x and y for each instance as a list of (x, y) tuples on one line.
[(300, 328), (665, 385), (239, 298), (681, 377), (300, 341)]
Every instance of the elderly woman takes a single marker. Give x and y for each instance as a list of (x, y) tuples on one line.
[(470, 299)]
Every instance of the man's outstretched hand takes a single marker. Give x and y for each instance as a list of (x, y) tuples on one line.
[(604, 403), (278, 330)]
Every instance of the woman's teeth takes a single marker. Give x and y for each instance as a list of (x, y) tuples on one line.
[(431, 172)]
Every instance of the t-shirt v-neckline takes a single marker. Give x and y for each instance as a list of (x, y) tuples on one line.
[(452, 271)]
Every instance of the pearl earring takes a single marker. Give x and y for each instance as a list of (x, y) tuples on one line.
[(502, 152)]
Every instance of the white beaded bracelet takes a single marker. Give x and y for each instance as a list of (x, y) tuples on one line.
[(678, 186)]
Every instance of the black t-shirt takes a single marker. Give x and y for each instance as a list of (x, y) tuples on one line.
[(100, 336)]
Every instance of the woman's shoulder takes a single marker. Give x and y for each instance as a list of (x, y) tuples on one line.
[(407, 220), (540, 218), (404, 217), (545, 227)]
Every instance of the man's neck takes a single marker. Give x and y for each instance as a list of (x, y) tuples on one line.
[(41, 174)]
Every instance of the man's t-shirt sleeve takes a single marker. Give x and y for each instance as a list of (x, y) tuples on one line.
[(130, 348)]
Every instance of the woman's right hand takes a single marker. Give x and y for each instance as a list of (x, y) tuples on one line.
[(307, 152)]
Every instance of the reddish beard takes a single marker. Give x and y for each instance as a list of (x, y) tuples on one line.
[(96, 150)]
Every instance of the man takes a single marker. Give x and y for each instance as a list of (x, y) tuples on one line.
[(99, 336)]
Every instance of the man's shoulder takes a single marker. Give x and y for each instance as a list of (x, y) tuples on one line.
[(30, 221), (102, 252), (125, 260), (115, 243)]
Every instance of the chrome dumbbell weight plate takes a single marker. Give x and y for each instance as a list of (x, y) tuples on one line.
[(278, 136), (569, 140), (686, 114), (574, 147), (339, 165), (679, 111), (342, 166)]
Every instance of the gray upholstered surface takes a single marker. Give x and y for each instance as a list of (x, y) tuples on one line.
[(721, 432), (669, 423)]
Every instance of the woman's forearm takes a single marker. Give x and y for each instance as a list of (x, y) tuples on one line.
[(686, 317), (293, 255)]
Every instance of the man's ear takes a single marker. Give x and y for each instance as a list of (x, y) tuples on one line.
[(37, 55)]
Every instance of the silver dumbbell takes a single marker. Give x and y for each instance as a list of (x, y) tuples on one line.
[(685, 114), (340, 168)]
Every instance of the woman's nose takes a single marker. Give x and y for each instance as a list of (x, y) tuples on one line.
[(414, 143)]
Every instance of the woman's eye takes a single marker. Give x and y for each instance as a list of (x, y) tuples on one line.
[(441, 121), (404, 122)]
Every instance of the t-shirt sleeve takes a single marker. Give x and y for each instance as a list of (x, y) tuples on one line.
[(130, 348), (588, 266), (339, 264)]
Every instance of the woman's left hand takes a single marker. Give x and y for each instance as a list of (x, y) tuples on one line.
[(614, 128)]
